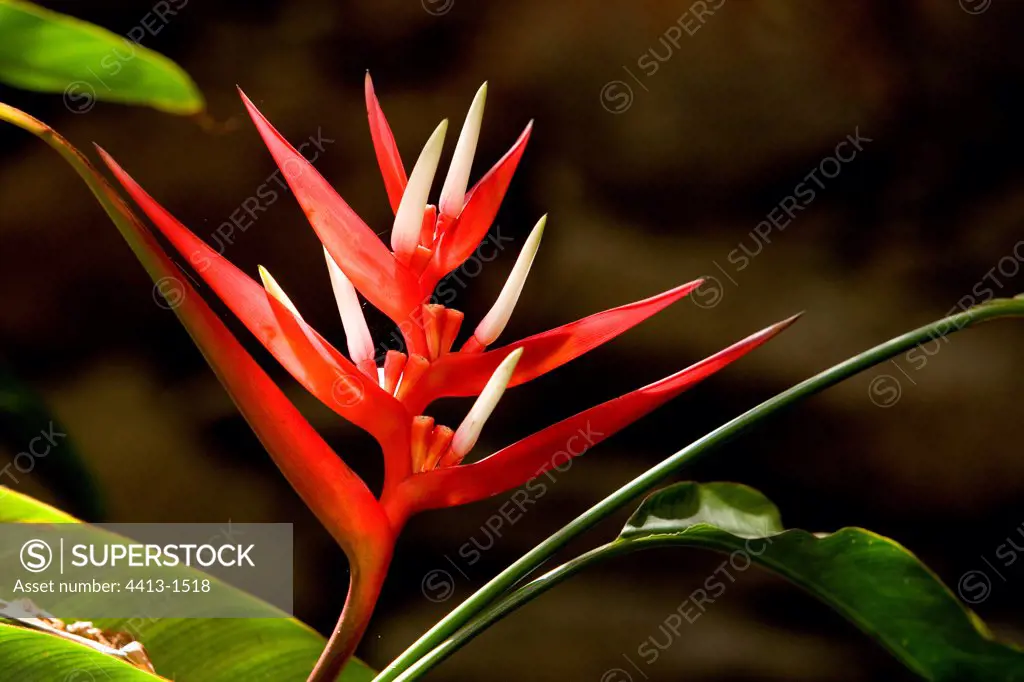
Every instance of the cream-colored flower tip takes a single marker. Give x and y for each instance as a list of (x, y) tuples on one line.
[(498, 316), (357, 333), (453, 193), (405, 234), (469, 430), (275, 290)]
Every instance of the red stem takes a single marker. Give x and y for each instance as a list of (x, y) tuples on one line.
[(364, 587)]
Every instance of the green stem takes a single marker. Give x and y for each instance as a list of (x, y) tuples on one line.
[(529, 562)]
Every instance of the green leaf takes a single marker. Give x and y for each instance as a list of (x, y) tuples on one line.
[(51, 52), (31, 655), (873, 581), (186, 650)]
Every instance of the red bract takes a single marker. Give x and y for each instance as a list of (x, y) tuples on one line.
[(423, 460)]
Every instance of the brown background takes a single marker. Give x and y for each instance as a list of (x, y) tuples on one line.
[(640, 201)]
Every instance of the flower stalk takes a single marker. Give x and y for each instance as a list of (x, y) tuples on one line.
[(366, 579)]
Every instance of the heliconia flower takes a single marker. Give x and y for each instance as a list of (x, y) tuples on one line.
[(427, 465)]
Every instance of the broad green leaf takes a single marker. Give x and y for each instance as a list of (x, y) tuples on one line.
[(30, 655), (186, 650), (41, 447), (52, 52), (873, 581)]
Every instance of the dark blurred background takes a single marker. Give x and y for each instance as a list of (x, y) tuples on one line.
[(657, 152)]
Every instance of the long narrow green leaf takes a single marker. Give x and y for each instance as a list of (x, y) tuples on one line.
[(186, 650), (873, 581), (52, 52)]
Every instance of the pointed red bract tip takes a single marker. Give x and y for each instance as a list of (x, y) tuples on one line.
[(535, 454), (357, 250), (388, 158), (459, 240), (466, 373), (317, 365)]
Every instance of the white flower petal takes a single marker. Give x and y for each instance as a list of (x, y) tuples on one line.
[(495, 320), (469, 430), (453, 193), (405, 235), (357, 333)]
